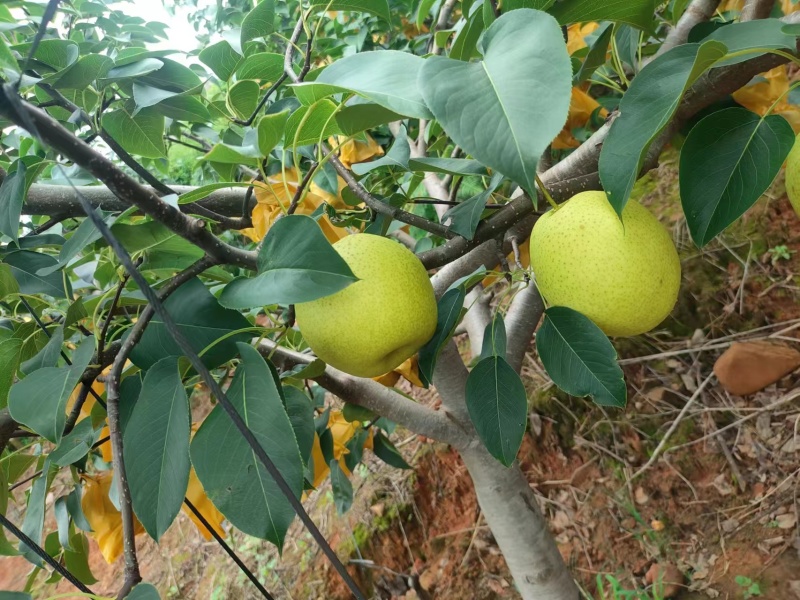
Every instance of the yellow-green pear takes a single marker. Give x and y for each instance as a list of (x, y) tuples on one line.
[(376, 323), (793, 175), (623, 275)]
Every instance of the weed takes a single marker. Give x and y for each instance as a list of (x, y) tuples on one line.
[(750, 588)]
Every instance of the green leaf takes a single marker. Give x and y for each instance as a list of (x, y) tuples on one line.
[(596, 57), (12, 195), (465, 44), (270, 131), (465, 217), (752, 38), (355, 449), (6, 548), (183, 108), (201, 319), (423, 11), (386, 451), (83, 73), (15, 596), (173, 76), (398, 156), (448, 314), (296, 264), (579, 357), (645, 110), (55, 53), (138, 68), (76, 558), (259, 22), (157, 448), (47, 356), (450, 166), (85, 234), (75, 510), (342, 488), (33, 523), (360, 116), (243, 97), (8, 285), (204, 191), (225, 154), (501, 111), (39, 400), (62, 521), (387, 77), (638, 13), (494, 338), (146, 96), (220, 58), (143, 591), (537, 4), (311, 124), (353, 412), (379, 8), (263, 66), (234, 479), (142, 135), (76, 312), (7, 59), (75, 445), (728, 161), (9, 363), (498, 407), (25, 266), (301, 416)]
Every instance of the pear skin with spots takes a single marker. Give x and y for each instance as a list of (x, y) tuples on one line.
[(793, 176), (623, 274), (376, 323)]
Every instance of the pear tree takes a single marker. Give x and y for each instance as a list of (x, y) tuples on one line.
[(287, 205)]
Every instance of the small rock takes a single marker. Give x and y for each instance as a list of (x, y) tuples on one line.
[(722, 486), (791, 446), (747, 367), (666, 579), (794, 586), (429, 579), (729, 525), (640, 496), (787, 521)]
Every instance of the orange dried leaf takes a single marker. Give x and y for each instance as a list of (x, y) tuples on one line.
[(103, 517), (767, 89), (581, 108), (355, 151), (197, 496), (576, 34)]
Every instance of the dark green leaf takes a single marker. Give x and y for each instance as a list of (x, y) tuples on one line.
[(39, 400), (498, 407), (15, 596), (157, 448), (201, 319), (75, 510), (355, 449), (342, 488), (76, 559), (376, 7), (25, 265), (501, 111), (296, 264), (360, 116), (596, 57), (143, 591), (183, 108), (129, 392), (83, 73), (301, 415), (220, 58), (243, 97), (270, 131), (579, 357), (8, 285), (47, 356), (451, 166), (638, 13), (75, 445), (234, 479), (645, 110), (752, 38), (448, 310), (12, 195), (76, 312), (465, 217), (142, 135), (62, 521), (387, 452), (465, 44), (259, 22), (353, 412), (9, 362), (172, 76), (728, 161), (494, 338), (33, 523)]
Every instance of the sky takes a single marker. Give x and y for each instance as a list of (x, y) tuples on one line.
[(181, 33)]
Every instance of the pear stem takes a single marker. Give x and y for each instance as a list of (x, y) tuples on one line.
[(547, 195)]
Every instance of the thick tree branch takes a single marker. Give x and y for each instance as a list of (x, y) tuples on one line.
[(698, 11), (756, 9), (121, 185), (374, 396), (521, 320), (476, 319)]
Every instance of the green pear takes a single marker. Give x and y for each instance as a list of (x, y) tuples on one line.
[(793, 175), (623, 275), (376, 323)]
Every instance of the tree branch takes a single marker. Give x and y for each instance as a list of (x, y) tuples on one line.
[(374, 396), (698, 11), (521, 320), (476, 319), (52, 133), (756, 9)]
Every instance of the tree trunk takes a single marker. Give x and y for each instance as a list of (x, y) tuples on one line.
[(518, 526)]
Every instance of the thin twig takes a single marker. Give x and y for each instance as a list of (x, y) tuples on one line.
[(672, 429), (301, 188)]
